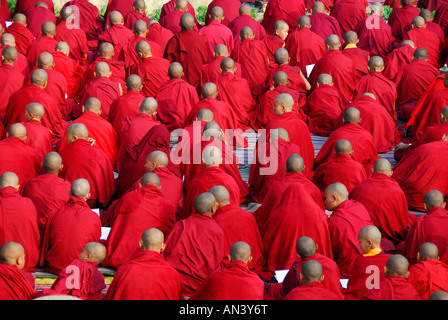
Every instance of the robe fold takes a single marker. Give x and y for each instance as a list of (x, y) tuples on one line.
[(396, 61), (21, 64), (375, 36), (89, 19), (131, 58), (159, 34), (42, 44), (311, 291), (73, 72), (13, 80), (40, 138), (171, 21), (16, 284), (360, 59), (122, 6), (117, 68), (132, 17), (24, 38), (23, 5), (230, 8), (400, 21), (273, 42), (324, 25), (393, 287), (212, 70), (127, 105), (35, 17), (424, 38), (154, 73), (428, 276), (348, 13)]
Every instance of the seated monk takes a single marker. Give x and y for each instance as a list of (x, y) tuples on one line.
[(160, 281), (116, 33), (322, 23), (21, 64), (428, 228), (69, 229), (274, 40), (89, 19), (359, 56), (348, 13), (45, 43), (395, 285), (24, 37), (367, 267), (171, 20), (245, 19), (15, 283), (400, 19), (38, 15), (47, 191), (429, 274), (340, 168), (311, 284), (16, 156), (324, 105), (230, 10), (91, 280), (397, 60), (158, 34), (13, 79), (135, 212), (138, 13), (19, 218), (124, 7), (219, 285), (348, 217), (289, 11), (82, 159), (175, 98), (238, 224), (195, 246)]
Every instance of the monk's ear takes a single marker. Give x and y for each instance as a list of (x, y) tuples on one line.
[(88, 196), (407, 275), (140, 244), (322, 278), (443, 205)]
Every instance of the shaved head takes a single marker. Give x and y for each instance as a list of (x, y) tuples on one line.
[(140, 28), (80, 188), (45, 60), (149, 106), (12, 253), (280, 78), (205, 115), (9, 179), (240, 251), (281, 56), (371, 95), (318, 7), (95, 251), (187, 22), (78, 130), (343, 146), (370, 233), (418, 22), (158, 157), (17, 130), (407, 42), (338, 189), (352, 115), (209, 90), (221, 194), (295, 163), (143, 49), (426, 14), (181, 5), (227, 65), (382, 165), (39, 77), (106, 50), (286, 100), (52, 163), (305, 247), (66, 12), (311, 271), (139, 6), (102, 69), (279, 133), (221, 50), (152, 239), (216, 13), (439, 295), (397, 265), (204, 203), (280, 25), (48, 29), (19, 18), (427, 251), (8, 39), (246, 33), (211, 130), (324, 78), (93, 104), (134, 82), (9, 55), (175, 70), (35, 111), (62, 46), (433, 198), (245, 9), (350, 37), (420, 53), (212, 156), (150, 178), (304, 22), (115, 17), (332, 42), (376, 64)]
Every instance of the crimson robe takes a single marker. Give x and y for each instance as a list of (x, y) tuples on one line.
[(126, 105), (375, 36), (434, 27), (394, 287), (441, 17), (159, 34), (360, 59), (136, 212), (212, 70), (118, 35), (219, 285), (175, 100), (73, 72), (23, 5), (42, 44), (216, 33), (400, 21), (131, 58), (340, 168), (16, 284), (244, 20), (82, 160), (67, 231), (396, 3), (430, 134), (305, 47), (396, 61), (132, 17), (76, 40), (19, 224), (146, 277), (424, 38), (223, 114), (48, 193), (35, 17), (323, 106), (39, 137), (89, 19), (16, 156), (230, 8), (117, 68), (190, 50), (428, 276), (168, 7), (154, 73), (324, 25), (286, 10), (171, 21), (273, 42), (340, 68), (362, 142), (348, 13), (21, 64), (195, 248), (24, 38), (122, 6), (311, 291), (13, 80), (298, 215)]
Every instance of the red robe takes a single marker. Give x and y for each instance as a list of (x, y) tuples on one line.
[(190, 50), (305, 47), (175, 100), (39, 137), (81, 159), (195, 248), (323, 106), (116, 68), (122, 6), (146, 277), (360, 59), (386, 204), (441, 17), (16, 284), (212, 70), (311, 291), (340, 68), (396, 61), (24, 38), (42, 44), (23, 5), (324, 25), (67, 231), (159, 34), (154, 73), (362, 142), (171, 21), (118, 35), (48, 193), (76, 40), (132, 17), (89, 19), (424, 38), (219, 285), (169, 7), (230, 8), (348, 13), (21, 64), (35, 17), (286, 10), (216, 33), (13, 81), (298, 215), (136, 212), (340, 168), (244, 20), (131, 58), (19, 224), (393, 288), (375, 36), (396, 4), (430, 134), (73, 72), (125, 106), (400, 20), (272, 42), (428, 276)]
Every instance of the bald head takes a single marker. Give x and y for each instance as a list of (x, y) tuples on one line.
[(318, 7), (376, 64), (13, 254), (418, 22), (9, 179), (140, 28), (62, 46), (205, 115), (432, 199), (426, 14), (343, 146), (370, 234), (420, 53), (34, 110), (66, 12), (280, 78), (181, 5), (246, 33), (115, 17), (212, 155), (134, 83), (324, 78), (332, 42), (209, 90), (175, 70), (221, 194), (375, 9), (407, 42), (150, 178), (8, 39), (149, 106), (204, 203), (369, 94), (334, 195), (280, 25), (9, 55), (94, 105), (439, 295), (397, 265), (281, 56), (305, 247), (245, 9), (279, 133), (93, 251), (139, 6), (304, 22), (216, 13), (311, 271), (39, 77), (383, 165), (427, 251), (352, 115), (77, 131), (351, 37), (80, 188), (45, 60), (187, 21), (102, 69), (19, 18), (221, 50), (48, 29), (227, 65), (52, 163), (152, 239), (240, 251), (295, 163), (444, 115), (17, 130), (156, 159), (143, 49), (285, 100), (106, 50)]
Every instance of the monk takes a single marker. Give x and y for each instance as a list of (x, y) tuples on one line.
[(152, 70), (171, 19), (128, 104), (219, 285), (322, 23), (175, 98), (323, 106), (24, 37), (216, 32), (294, 174), (158, 34), (400, 19), (362, 142), (245, 19), (25, 162), (397, 60), (348, 13), (117, 34), (138, 13), (47, 191), (123, 7), (430, 24), (23, 5), (368, 268), (288, 11), (39, 137), (19, 219), (338, 66), (306, 219), (252, 55), (45, 43), (311, 288), (429, 274), (424, 38), (81, 158), (340, 168), (13, 79), (102, 88), (38, 15), (89, 19), (195, 246), (230, 10), (359, 56), (417, 75), (161, 281), (276, 40), (15, 283), (21, 64), (305, 47), (75, 37), (138, 210)]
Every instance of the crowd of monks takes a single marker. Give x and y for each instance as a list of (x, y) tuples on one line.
[(130, 124)]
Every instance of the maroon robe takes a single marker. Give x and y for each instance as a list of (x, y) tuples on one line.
[(76, 40), (122, 6), (42, 44), (21, 64), (118, 35), (154, 73), (348, 13), (360, 59), (396, 61), (24, 38), (89, 19), (286, 10), (132, 17), (127, 105), (23, 5), (441, 17), (117, 68), (16, 284), (375, 36), (36, 17), (230, 8), (393, 287), (324, 25), (216, 33), (168, 7), (424, 38), (244, 20), (171, 21), (131, 57), (400, 20), (39, 137), (13, 81), (212, 70), (159, 34), (72, 70), (311, 291), (428, 276), (272, 42)]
